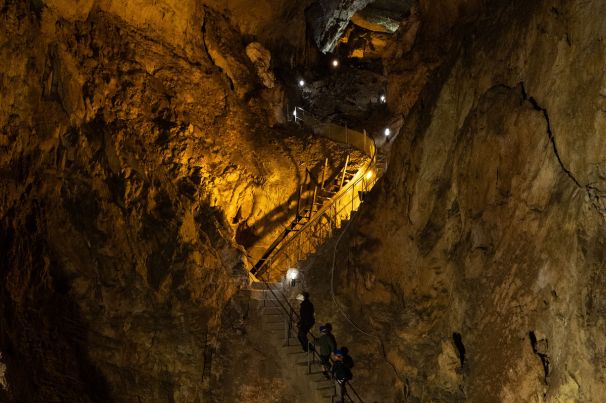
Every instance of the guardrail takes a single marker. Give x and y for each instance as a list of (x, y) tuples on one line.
[(321, 225), (292, 318), (340, 134), (328, 218)]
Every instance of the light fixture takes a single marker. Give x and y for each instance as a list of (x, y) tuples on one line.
[(383, 99), (301, 83), (292, 273), (387, 132), (369, 175), (335, 63)]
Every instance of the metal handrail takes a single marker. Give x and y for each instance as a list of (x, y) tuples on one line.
[(367, 146), (292, 313)]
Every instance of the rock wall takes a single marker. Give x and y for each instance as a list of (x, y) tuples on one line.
[(133, 146), (477, 267), (329, 19)]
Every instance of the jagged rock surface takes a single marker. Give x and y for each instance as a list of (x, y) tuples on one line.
[(329, 19), (477, 267), (134, 144)]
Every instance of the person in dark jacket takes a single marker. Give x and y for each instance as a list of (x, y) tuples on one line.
[(327, 347), (347, 358), (341, 373), (306, 320), (332, 336)]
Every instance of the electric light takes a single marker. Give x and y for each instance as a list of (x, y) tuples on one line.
[(301, 83), (335, 63), (383, 99), (292, 274), (387, 132), (369, 174)]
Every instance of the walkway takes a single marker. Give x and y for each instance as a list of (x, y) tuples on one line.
[(332, 200)]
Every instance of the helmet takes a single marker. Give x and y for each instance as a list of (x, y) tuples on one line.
[(339, 352), (323, 329)]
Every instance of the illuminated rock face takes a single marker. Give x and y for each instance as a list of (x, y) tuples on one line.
[(329, 19), (134, 144), (482, 252), (135, 152)]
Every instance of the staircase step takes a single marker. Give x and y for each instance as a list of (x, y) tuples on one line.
[(274, 326), (268, 316), (297, 354), (259, 285), (273, 322), (272, 307), (321, 379)]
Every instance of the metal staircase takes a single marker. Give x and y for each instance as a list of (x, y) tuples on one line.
[(279, 319), (332, 200)]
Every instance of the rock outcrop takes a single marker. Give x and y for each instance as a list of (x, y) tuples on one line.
[(477, 267), (135, 147), (141, 160), (329, 19)]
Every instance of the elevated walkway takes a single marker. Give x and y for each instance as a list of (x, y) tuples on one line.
[(279, 319), (331, 202)]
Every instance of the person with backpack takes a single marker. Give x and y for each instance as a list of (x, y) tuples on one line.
[(326, 348), (347, 358), (341, 372), (306, 320)]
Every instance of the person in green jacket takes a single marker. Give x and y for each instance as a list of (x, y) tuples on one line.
[(326, 347)]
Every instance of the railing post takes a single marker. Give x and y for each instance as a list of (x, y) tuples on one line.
[(308, 359), (287, 329), (299, 200), (344, 171), (313, 202), (324, 169)]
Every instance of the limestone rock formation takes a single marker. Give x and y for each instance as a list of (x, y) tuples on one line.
[(382, 15), (134, 145), (143, 164), (329, 19), (477, 268), (261, 59)]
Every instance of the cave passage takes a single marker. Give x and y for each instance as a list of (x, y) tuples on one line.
[(195, 192)]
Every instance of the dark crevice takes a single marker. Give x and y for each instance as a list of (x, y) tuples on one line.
[(539, 108), (595, 196), (539, 347), (458, 342), (406, 391)]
